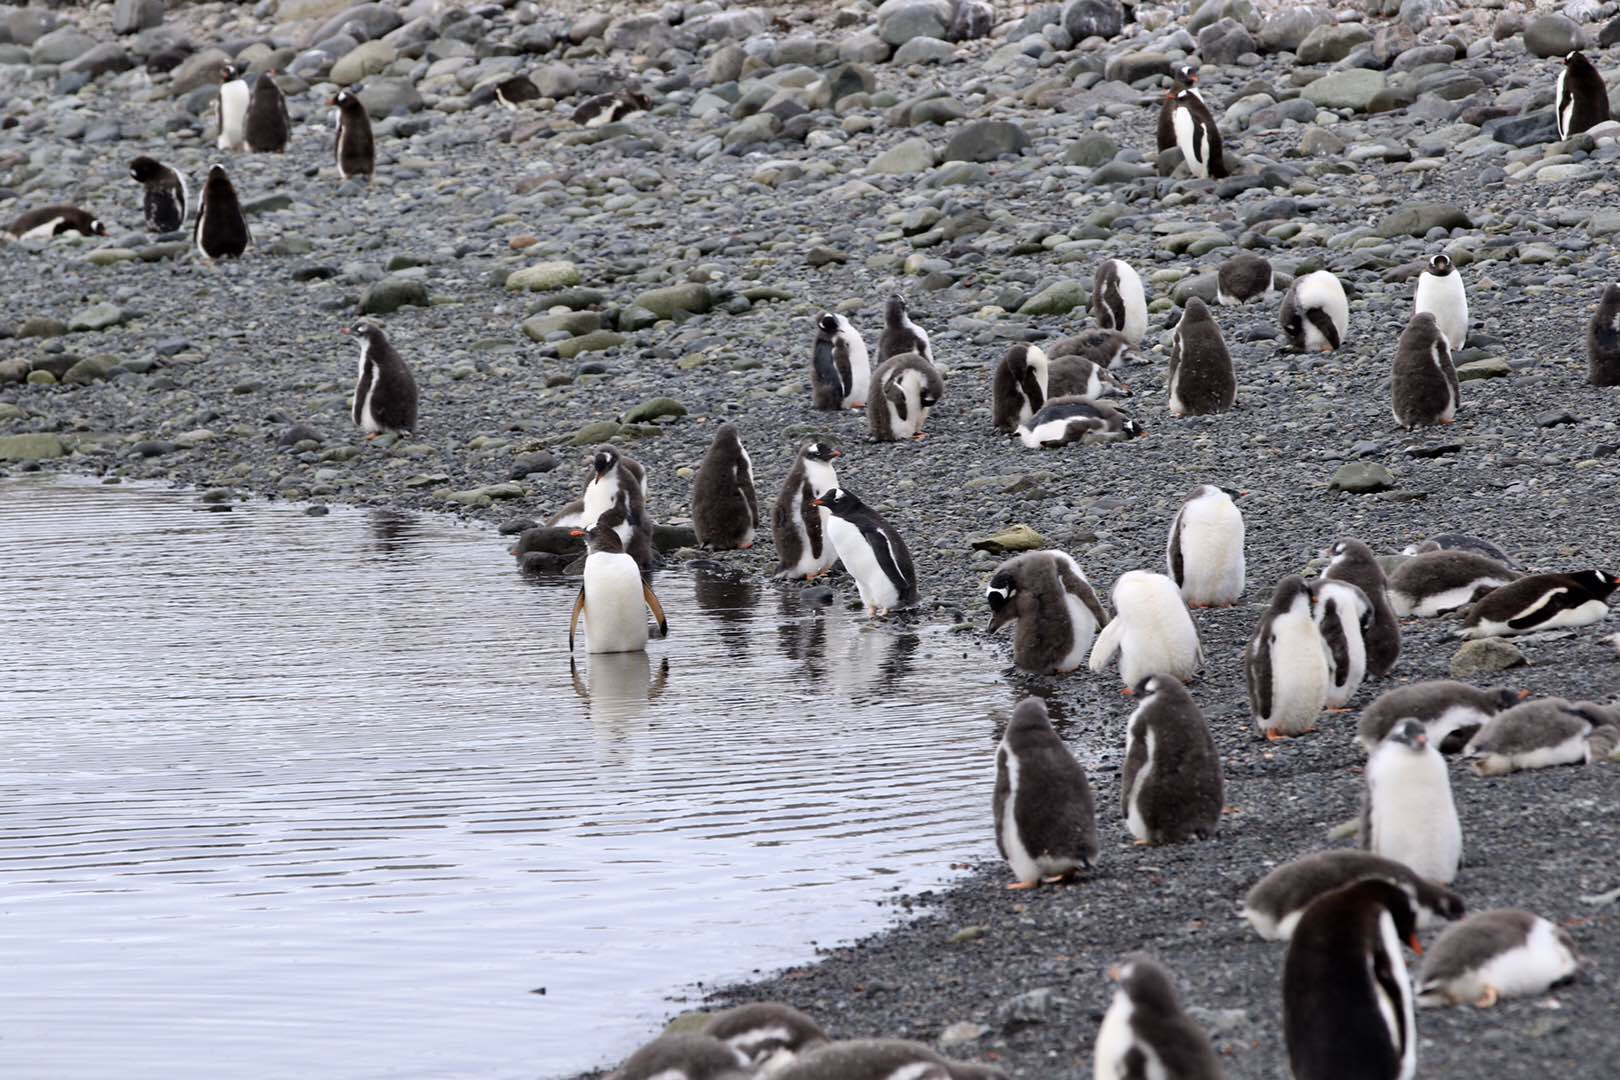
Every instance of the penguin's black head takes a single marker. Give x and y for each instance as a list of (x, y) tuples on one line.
[(999, 594), (1187, 75), (1232, 493), (1131, 429), (365, 331), (602, 535), (636, 99), (1440, 265), (828, 323), (229, 72), (896, 308), (217, 174), (603, 459), (1376, 892), (1146, 688), (1597, 583), (839, 501), (1409, 733), (1505, 697), (1571, 57), (820, 451), (144, 169)]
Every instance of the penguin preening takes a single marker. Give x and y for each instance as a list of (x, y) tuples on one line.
[(1444, 708), (231, 109), (1407, 812), (725, 508), (803, 549), (840, 372), (1184, 77), (900, 334), (1343, 616), (614, 596), (1205, 550), (684, 1057), (1440, 292), (513, 92), (1200, 379), (1503, 953), (1603, 340), (385, 395), (267, 127), (1352, 561), (1580, 97), (355, 149), (1172, 787), (1198, 136), (47, 222), (1118, 301), (871, 550), (1436, 582), (1145, 1032), (1244, 277), (883, 1059), (1286, 664), (1151, 630), (614, 480), (222, 229), (1046, 827), (767, 1033), (903, 388), (166, 195), (1542, 734), (1064, 420), (1315, 315), (1026, 378), (1423, 385), (1276, 902), (1105, 348), (1541, 602), (611, 108), (1056, 610)]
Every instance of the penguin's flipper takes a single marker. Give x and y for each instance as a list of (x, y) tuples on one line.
[(657, 609), (573, 620), (1178, 572), (895, 394), (846, 376), (1083, 592), (1107, 644), (1325, 325), (1260, 684)]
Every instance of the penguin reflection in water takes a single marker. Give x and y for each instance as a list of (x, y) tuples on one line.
[(614, 595)]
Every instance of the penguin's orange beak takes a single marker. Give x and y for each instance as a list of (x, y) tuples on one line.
[(838, 453), (1128, 692), (576, 532), (1114, 972), (345, 331), (818, 502), (1417, 946)]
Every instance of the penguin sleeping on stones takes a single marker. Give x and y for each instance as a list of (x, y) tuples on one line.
[(1603, 340), (1436, 582), (684, 1057), (1450, 541), (1118, 301), (839, 369), (515, 91), (883, 1059), (1146, 1033), (1507, 952), (1542, 734), (725, 508), (1056, 610), (1580, 98), (356, 150), (1343, 616), (1201, 380), (1277, 901), (385, 397), (903, 388), (167, 197), (267, 127), (1105, 348), (871, 550), (614, 480), (769, 1034), (1315, 315), (802, 546), (1184, 77), (1423, 385), (1440, 292), (221, 230), (1172, 787), (1244, 277), (1151, 630), (1286, 664), (1198, 136), (900, 334), (1026, 378), (48, 222), (1407, 812), (1046, 828), (614, 596), (1541, 602), (1450, 712), (604, 109), (1064, 420), (231, 109), (1205, 550)]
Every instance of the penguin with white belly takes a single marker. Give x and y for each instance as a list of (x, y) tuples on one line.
[(840, 370), (902, 390), (1541, 602), (1407, 813), (1201, 380), (1423, 385), (1054, 606), (871, 550), (1118, 301), (1503, 953), (725, 507), (797, 524), (385, 396), (1450, 712), (1046, 827), (1205, 550), (1353, 562), (1286, 664), (883, 1059), (1542, 734), (1436, 582), (1440, 293), (769, 1034), (1315, 315), (1182, 78), (614, 480), (1065, 420), (1151, 630), (1145, 1031), (1343, 616), (231, 108), (1277, 901), (1172, 788), (1580, 97), (1198, 136), (614, 598)]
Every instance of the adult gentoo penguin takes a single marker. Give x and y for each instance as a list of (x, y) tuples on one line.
[(684, 1057), (900, 334), (267, 126), (1057, 611), (384, 391), (1151, 630), (167, 196), (1315, 315), (839, 369), (1286, 664), (1343, 615), (1145, 1032), (767, 1033), (903, 388), (1354, 562), (1064, 420), (1541, 602), (1436, 582), (1201, 379), (802, 547), (1118, 301), (614, 595), (611, 108), (1603, 340), (1182, 78), (222, 229), (1443, 707), (1440, 292), (1407, 813), (725, 509), (1198, 136), (1542, 734), (1503, 953), (1244, 277), (1580, 98), (614, 480), (1205, 550), (356, 151), (871, 550), (1045, 826), (1423, 386), (883, 1059), (1105, 348), (512, 92), (1276, 902), (231, 109), (1026, 378), (1347, 1001), (1172, 788), (52, 221)]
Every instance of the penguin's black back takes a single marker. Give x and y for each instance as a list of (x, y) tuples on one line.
[(356, 150), (724, 504), (890, 550), (267, 126), (1183, 791), (1383, 637), (222, 228), (1052, 810), (1603, 340), (1158, 1021), (1200, 364), (830, 368), (1584, 84), (1424, 381), (393, 403)]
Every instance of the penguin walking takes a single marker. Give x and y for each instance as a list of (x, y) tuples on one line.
[(356, 151), (1423, 386), (1579, 96), (1201, 381), (767, 1033), (871, 550), (1502, 953), (1286, 664), (1315, 315), (883, 1059), (1172, 788), (1054, 606), (1450, 712), (267, 126), (1118, 300), (1347, 1000), (1343, 615), (684, 1057), (1151, 630), (1542, 734), (231, 109), (48, 222), (1183, 77), (1277, 901), (614, 596), (604, 109), (1105, 348), (797, 524), (1450, 541), (1205, 550), (1064, 420), (167, 196), (513, 92), (839, 368), (725, 508), (1198, 136), (903, 388), (900, 334), (1244, 277), (1541, 602), (1046, 828), (1440, 292), (222, 229), (1407, 813), (1603, 340), (1146, 1026), (1353, 562), (614, 480), (385, 396), (1440, 581)]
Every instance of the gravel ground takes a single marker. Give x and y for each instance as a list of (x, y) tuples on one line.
[(234, 377)]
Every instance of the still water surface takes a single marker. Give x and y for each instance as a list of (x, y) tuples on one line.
[(284, 796)]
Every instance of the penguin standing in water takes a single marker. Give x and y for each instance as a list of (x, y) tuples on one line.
[(1172, 788), (231, 109), (903, 388), (356, 150), (684, 1057), (1118, 301), (900, 334), (1146, 1026), (1343, 615), (767, 1033), (839, 368), (1541, 602), (1244, 277), (614, 596), (882, 1059), (1444, 708), (1046, 828), (1507, 952), (1201, 379), (1353, 562), (48, 222), (222, 229), (1407, 813), (1198, 136), (1579, 96), (1151, 630), (1440, 292), (1603, 340), (871, 550), (725, 508), (1205, 551), (1542, 734), (1182, 78), (1286, 664), (1315, 315), (167, 196), (267, 127), (1347, 1000), (384, 391), (1436, 582), (614, 480), (1064, 420), (797, 524), (1057, 611), (1423, 387), (1277, 901)]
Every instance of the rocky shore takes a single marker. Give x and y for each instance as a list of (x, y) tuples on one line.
[(554, 286)]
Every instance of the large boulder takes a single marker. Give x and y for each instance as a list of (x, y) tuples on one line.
[(1418, 218), (839, 83), (737, 23), (108, 56), (1550, 35), (1353, 89), (26, 25), (985, 140), (556, 80), (133, 16), (899, 21), (1285, 30), (1223, 42), (377, 19), (198, 70), (647, 33), (1327, 44), (384, 97), (363, 61), (904, 159), (1093, 18), (61, 45)]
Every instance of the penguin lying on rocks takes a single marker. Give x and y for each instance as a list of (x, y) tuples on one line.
[(1541, 602), (1436, 582), (684, 1057), (1065, 420), (767, 1033), (1541, 734), (1507, 952), (47, 222), (1450, 712)]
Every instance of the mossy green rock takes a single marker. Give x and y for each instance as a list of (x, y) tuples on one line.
[(595, 341), (1017, 538), (41, 327), (1058, 298), (649, 411), (1362, 477), (34, 447), (90, 369), (591, 434), (543, 277), (1492, 367), (666, 302), (573, 322), (389, 295)]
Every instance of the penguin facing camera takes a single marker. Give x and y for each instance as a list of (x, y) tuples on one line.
[(1407, 812), (1440, 293), (231, 109), (1198, 136)]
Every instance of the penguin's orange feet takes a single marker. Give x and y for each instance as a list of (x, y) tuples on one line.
[(745, 547), (1340, 709), (1058, 879), (858, 405), (1142, 843), (919, 437), (1488, 998), (1273, 735), (1018, 885), (1448, 421)]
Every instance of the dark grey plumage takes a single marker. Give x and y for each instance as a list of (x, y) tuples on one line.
[(725, 509), (766, 1032), (1046, 827), (839, 368), (1276, 901), (694, 1057), (164, 201), (356, 150), (801, 548), (1435, 582), (1149, 1025), (1026, 378), (385, 396), (1076, 419), (1244, 277), (1354, 562), (66, 218), (1172, 788), (1284, 666), (1423, 385), (900, 334), (1449, 711), (1105, 348), (883, 1059), (903, 388), (1034, 589), (1459, 964), (612, 471), (222, 229), (1583, 99), (510, 93), (1200, 379), (268, 127), (1603, 340), (611, 108), (1182, 78), (1451, 541), (1541, 734)]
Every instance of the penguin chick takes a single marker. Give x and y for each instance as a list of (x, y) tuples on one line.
[(883, 1059), (1603, 340), (1026, 379), (267, 127), (767, 1033), (871, 550), (802, 547), (1286, 664), (1315, 315), (166, 195), (900, 334), (1579, 96), (384, 391), (1343, 614), (1541, 602), (1450, 541), (839, 369), (1407, 813), (614, 595), (1118, 301), (1199, 137), (1443, 707), (1244, 277), (1436, 582), (231, 109), (725, 509), (1503, 953), (1065, 420), (684, 1057), (222, 229), (903, 388), (47, 222), (1056, 610), (1353, 562), (1205, 550), (1277, 901), (1423, 384), (1440, 293), (1201, 379), (1172, 787), (1151, 630), (355, 149), (606, 109), (1542, 734), (1105, 348), (1184, 77), (1046, 828), (1146, 1033)]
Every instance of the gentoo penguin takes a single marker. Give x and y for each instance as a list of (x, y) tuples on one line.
[(802, 547), (1182, 78), (614, 596), (611, 108), (1541, 602), (1151, 630), (1045, 826), (1347, 1000), (614, 480), (1315, 315), (1205, 550), (356, 151), (1423, 386), (882, 1059), (1064, 420), (1145, 1032), (267, 126), (684, 1057), (1436, 582), (1026, 378), (1057, 611), (384, 391), (1171, 789), (1353, 562), (1407, 813), (1450, 541), (1201, 379), (510, 93), (1542, 734), (900, 334), (1603, 340), (51, 221), (1198, 136), (1580, 96), (1440, 292), (839, 369), (1443, 707), (1244, 277), (1343, 614), (903, 388), (1118, 301), (725, 509), (1286, 664), (767, 1033), (221, 229), (1503, 953), (1106, 348), (1276, 902), (231, 108), (871, 550), (167, 196)]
